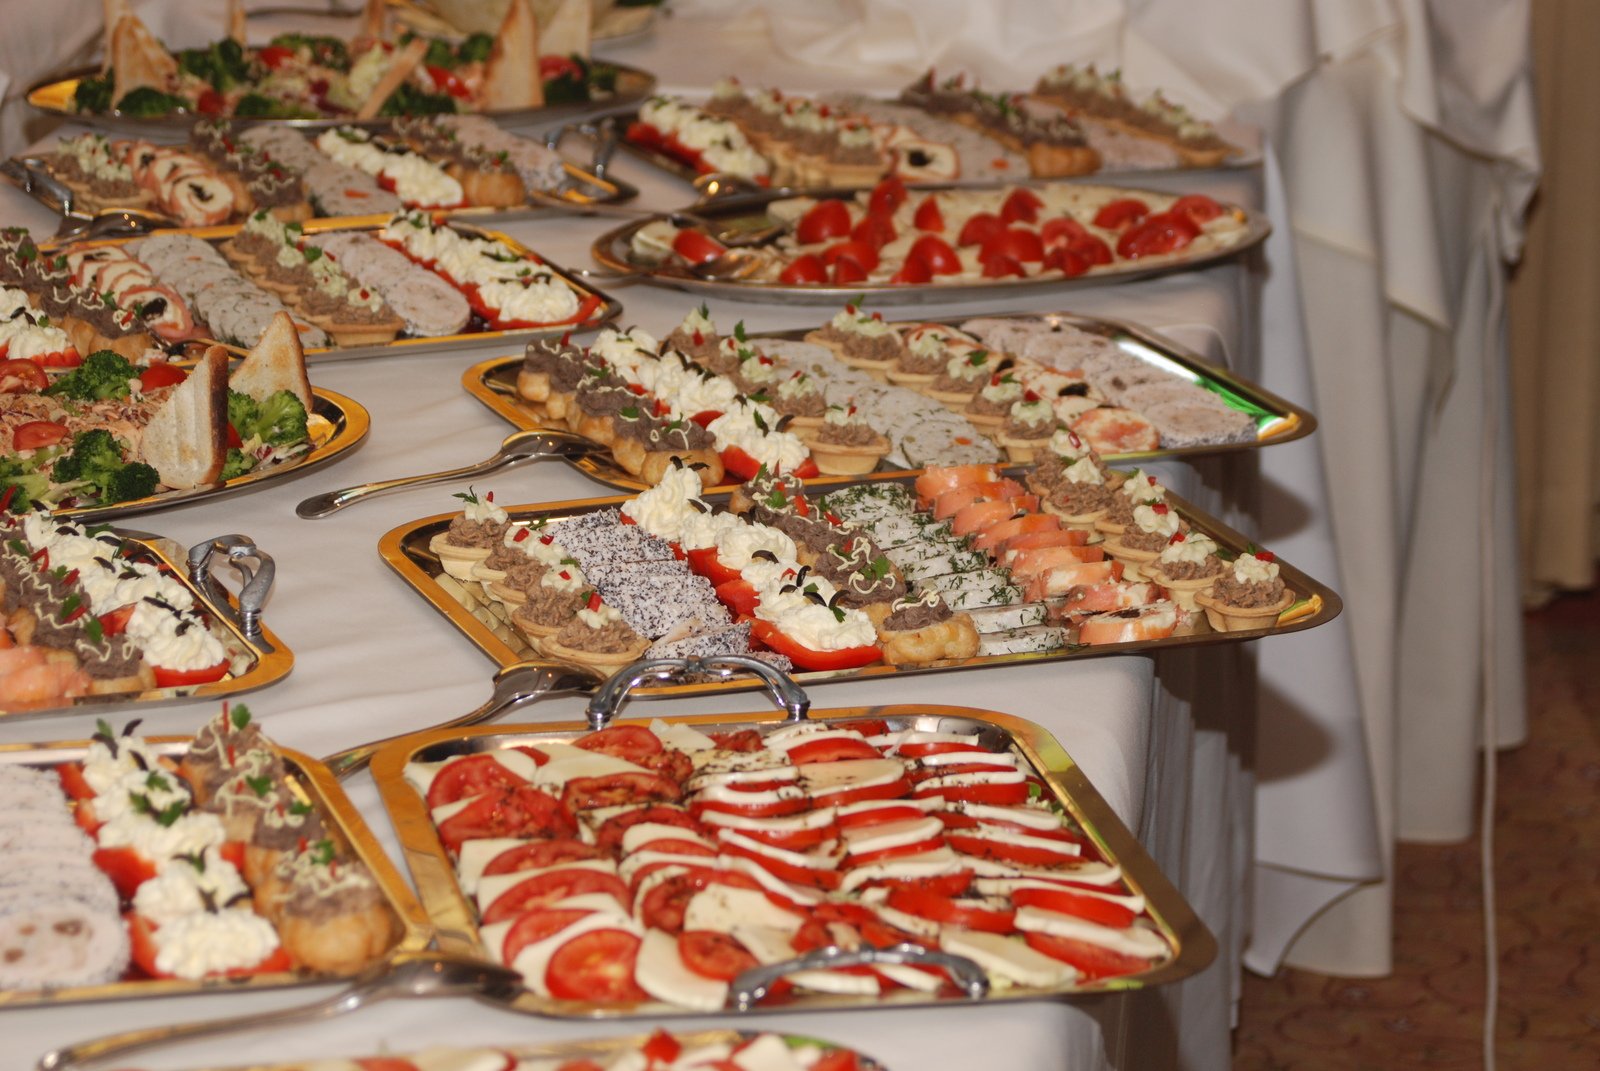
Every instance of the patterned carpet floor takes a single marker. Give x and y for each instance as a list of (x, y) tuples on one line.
[(1429, 1013)]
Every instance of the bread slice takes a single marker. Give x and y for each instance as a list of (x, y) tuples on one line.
[(138, 59), (511, 75), (567, 32), (278, 362), (186, 440), (400, 67)]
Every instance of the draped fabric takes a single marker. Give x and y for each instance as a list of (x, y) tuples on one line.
[(1555, 320)]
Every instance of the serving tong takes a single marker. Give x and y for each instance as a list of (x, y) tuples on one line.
[(445, 973)]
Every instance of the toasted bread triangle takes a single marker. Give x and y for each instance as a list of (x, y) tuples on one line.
[(186, 441), (567, 32), (138, 60), (278, 362), (511, 74)]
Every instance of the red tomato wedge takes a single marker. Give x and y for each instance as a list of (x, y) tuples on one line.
[(38, 434), (804, 269), (631, 743), (1019, 243), (1156, 236), (1003, 266), (1021, 206), (1060, 230), (847, 270), (1116, 215), (538, 854), (1092, 961), (863, 251), (825, 220), (887, 196), (974, 915), (696, 247), (543, 890), (21, 377), (596, 967), (807, 658), (183, 678), (927, 216), (832, 749), (936, 253), (979, 228), (714, 955), (1091, 248), (1093, 908), (876, 231), (524, 811), (1197, 207), (470, 776), (914, 271)]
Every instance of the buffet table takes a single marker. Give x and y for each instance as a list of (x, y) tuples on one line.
[(1170, 742)]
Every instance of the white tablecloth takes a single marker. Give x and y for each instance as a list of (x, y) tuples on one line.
[(1171, 743)]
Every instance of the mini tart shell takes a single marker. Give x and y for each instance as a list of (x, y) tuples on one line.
[(611, 660), (951, 399), (1134, 561), (348, 335), (1021, 451), (1089, 520), (1225, 618), (1182, 592), (914, 380), (835, 460), (457, 561)]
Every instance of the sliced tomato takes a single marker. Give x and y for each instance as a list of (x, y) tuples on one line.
[(697, 247), (1059, 230), (612, 790), (470, 776), (1063, 902), (661, 1048), (1157, 235), (1019, 243), (809, 659), (812, 935), (275, 56), (784, 870), (631, 743), (543, 890), (384, 1063), (1091, 249), (525, 811), (534, 926), (210, 102), (38, 434), (539, 757), (678, 846), (1066, 262), (22, 377), (874, 230), (804, 269), (596, 967), (928, 773), (738, 740), (837, 1060), (937, 747), (714, 955), (900, 851), (1092, 961), (451, 83), (957, 820), (880, 815), (1118, 214), (1001, 795), (739, 596), (791, 840), (73, 782), (183, 678), (1199, 208), (973, 914), (945, 884), (664, 903), (67, 358), (161, 374), (979, 228), (887, 196), (1003, 266), (1021, 206), (927, 216), (115, 622), (608, 838), (832, 749), (538, 854), (843, 796), (824, 221), (1018, 854), (847, 271), (914, 271)]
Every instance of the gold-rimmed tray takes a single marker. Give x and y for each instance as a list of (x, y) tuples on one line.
[(343, 425), (729, 278), (54, 95), (485, 622), (313, 784), (1063, 784), (601, 307), (493, 382), (269, 661)]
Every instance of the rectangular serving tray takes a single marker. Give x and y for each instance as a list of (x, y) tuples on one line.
[(406, 550), (271, 661), (494, 383), (453, 919), (608, 309), (314, 784)]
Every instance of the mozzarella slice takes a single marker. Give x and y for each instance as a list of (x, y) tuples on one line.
[(768, 944), (999, 835), (637, 836), (892, 742), (768, 1052), (987, 777), (558, 771), (823, 778), (1090, 873), (904, 920), (440, 1058), (982, 758), (1133, 941), (771, 882), (631, 865), (661, 972), (724, 762), (534, 960), (881, 837), (681, 737), (1007, 960), (722, 907), (1006, 886), (837, 982), (928, 865), (820, 818), (1032, 817), (911, 977), (754, 776), (476, 855)]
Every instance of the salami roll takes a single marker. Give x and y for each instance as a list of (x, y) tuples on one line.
[(197, 198), (429, 305)]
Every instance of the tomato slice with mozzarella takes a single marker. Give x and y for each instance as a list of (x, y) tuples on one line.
[(902, 851), (714, 955), (470, 776), (892, 811), (596, 967), (631, 743), (1064, 902), (832, 749), (794, 873), (538, 854), (741, 740), (1000, 794), (1092, 961), (1005, 852), (608, 837), (973, 914), (525, 811), (543, 890)]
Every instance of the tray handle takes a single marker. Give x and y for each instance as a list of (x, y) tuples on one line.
[(750, 987), (605, 702), (254, 565), (421, 974)]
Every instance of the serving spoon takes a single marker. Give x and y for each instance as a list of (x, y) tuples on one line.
[(516, 449), (733, 236)]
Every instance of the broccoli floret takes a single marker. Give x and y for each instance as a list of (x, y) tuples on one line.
[(223, 64), (104, 374), (238, 464), (260, 106), (475, 49), (94, 94), (133, 480), (21, 484), (409, 100), (283, 420), (243, 413), (93, 459), (148, 103)]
